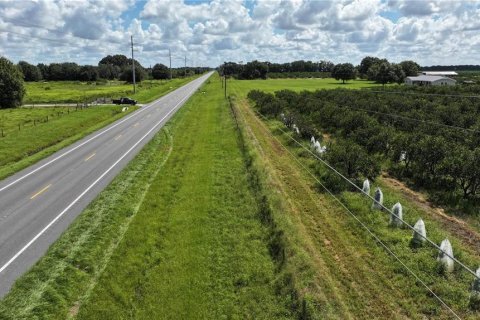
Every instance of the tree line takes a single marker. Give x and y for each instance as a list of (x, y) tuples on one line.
[(119, 67), (109, 68), (371, 68), (408, 136)]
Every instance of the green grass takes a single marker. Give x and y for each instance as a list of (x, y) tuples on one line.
[(382, 288), (56, 284), (20, 148), (28, 137), (176, 235), (196, 249), (271, 85), (344, 273), (78, 92)]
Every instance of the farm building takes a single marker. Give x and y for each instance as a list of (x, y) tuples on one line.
[(430, 81), (440, 73)]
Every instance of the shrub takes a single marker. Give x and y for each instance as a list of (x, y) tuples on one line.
[(12, 89)]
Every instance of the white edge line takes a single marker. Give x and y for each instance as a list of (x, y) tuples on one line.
[(83, 143), (91, 186)]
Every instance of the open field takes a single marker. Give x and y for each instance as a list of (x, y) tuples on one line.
[(38, 138), (177, 235), (272, 85), (76, 91), (348, 275), (31, 134)]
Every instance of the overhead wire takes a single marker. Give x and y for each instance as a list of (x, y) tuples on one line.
[(465, 267), (370, 232)]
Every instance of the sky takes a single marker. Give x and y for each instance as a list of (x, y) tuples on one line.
[(208, 33)]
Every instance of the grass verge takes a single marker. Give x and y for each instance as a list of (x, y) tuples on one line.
[(54, 287), (197, 248), (177, 236)]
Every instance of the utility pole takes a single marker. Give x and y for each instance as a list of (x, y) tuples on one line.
[(170, 56), (185, 66), (133, 65), (225, 77)]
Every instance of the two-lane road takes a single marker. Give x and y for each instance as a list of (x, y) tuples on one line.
[(39, 203)]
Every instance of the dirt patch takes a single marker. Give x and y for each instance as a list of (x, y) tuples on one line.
[(72, 313), (454, 225)]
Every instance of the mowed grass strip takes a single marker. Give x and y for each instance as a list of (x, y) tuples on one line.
[(196, 249), (77, 91), (56, 285), (21, 148)]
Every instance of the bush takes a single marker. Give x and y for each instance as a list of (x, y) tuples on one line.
[(12, 89)]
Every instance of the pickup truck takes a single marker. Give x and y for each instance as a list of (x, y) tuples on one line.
[(125, 101)]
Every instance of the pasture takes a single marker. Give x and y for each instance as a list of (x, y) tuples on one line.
[(272, 85), (78, 92)]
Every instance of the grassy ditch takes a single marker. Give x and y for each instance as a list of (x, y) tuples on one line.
[(57, 284), (197, 248), (348, 274), (177, 234)]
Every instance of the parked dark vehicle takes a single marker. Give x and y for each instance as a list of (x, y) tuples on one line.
[(125, 101)]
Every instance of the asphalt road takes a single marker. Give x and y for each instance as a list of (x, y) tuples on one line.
[(39, 203)]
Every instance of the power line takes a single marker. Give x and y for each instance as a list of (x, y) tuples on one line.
[(372, 234), (380, 204)]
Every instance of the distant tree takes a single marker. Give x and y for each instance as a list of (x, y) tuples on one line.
[(118, 60), (384, 73), (160, 71), (344, 72), (43, 68), (399, 73), (325, 66), (108, 71), (231, 68), (366, 63), (411, 68), (127, 74), (11, 85), (254, 70), (30, 72), (88, 73)]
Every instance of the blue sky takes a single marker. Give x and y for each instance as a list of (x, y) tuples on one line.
[(210, 32)]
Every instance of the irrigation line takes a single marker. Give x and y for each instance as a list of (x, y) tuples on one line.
[(367, 229), (380, 204)]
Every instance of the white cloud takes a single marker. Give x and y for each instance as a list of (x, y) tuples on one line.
[(212, 32)]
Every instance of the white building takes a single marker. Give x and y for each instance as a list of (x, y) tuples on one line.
[(430, 81), (440, 73)]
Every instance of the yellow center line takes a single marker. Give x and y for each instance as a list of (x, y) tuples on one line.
[(40, 192), (136, 124), (90, 156), (118, 137)]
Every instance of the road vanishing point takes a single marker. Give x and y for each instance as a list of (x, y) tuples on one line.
[(40, 202)]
